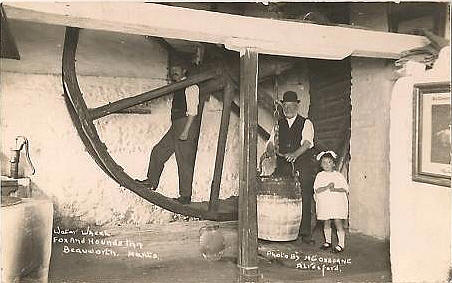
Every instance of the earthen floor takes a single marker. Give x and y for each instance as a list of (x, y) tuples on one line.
[(170, 253)]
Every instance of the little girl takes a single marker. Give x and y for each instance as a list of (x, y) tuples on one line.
[(330, 193)]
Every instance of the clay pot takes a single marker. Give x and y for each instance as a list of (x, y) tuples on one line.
[(212, 242)]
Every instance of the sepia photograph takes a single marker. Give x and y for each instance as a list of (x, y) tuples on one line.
[(225, 141)]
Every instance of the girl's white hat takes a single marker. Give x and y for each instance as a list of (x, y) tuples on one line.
[(319, 156)]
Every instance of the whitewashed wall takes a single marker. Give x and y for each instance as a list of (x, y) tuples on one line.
[(421, 219), (369, 146), (110, 66), (369, 143)]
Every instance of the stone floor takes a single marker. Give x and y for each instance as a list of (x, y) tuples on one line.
[(170, 253)]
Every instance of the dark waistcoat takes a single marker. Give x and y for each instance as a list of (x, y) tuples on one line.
[(179, 105), (289, 141), (290, 138)]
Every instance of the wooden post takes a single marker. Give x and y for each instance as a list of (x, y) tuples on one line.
[(247, 261), (221, 145)]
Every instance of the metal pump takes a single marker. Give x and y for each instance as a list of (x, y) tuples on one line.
[(21, 141)]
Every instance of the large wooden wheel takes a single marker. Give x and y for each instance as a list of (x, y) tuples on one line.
[(83, 118), (219, 78)]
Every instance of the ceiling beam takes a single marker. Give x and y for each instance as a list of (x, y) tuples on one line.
[(266, 36)]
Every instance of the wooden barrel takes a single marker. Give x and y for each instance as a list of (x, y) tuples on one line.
[(278, 208)]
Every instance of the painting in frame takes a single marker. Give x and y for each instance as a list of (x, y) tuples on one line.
[(432, 133)]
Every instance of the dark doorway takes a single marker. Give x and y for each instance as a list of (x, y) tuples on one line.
[(330, 107)]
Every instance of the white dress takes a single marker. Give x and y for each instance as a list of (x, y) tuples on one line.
[(331, 205)]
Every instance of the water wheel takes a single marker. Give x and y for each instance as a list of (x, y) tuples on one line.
[(83, 117)]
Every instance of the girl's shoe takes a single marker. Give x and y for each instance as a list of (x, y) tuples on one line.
[(325, 246), (338, 249)]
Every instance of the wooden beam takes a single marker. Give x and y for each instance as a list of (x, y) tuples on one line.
[(266, 36), (328, 121), (8, 47), (262, 132), (247, 261), (221, 146), (124, 103), (265, 100)]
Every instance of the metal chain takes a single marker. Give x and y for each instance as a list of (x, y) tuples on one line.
[(276, 115)]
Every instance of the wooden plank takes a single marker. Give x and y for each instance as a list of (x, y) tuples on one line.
[(338, 134), (260, 130), (332, 103), (124, 103), (264, 98), (328, 121), (330, 143), (326, 127), (221, 147), (335, 79), (247, 261), (266, 36), (330, 112), (330, 109), (332, 89)]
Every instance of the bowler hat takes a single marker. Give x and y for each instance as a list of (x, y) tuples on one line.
[(290, 96)]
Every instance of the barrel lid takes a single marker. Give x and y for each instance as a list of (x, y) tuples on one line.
[(285, 187), (9, 201)]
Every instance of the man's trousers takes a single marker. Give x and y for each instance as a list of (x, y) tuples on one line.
[(185, 155)]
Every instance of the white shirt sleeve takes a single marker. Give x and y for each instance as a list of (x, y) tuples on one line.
[(308, 133), (192, 98)]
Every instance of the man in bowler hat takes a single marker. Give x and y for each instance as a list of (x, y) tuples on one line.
[(295, 146)]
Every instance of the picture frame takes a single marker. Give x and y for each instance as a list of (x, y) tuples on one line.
[(431, 133)]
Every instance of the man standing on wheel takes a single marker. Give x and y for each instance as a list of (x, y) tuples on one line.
[(181, 138)]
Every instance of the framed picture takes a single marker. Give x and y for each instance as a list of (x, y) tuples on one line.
[(431, 133)]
